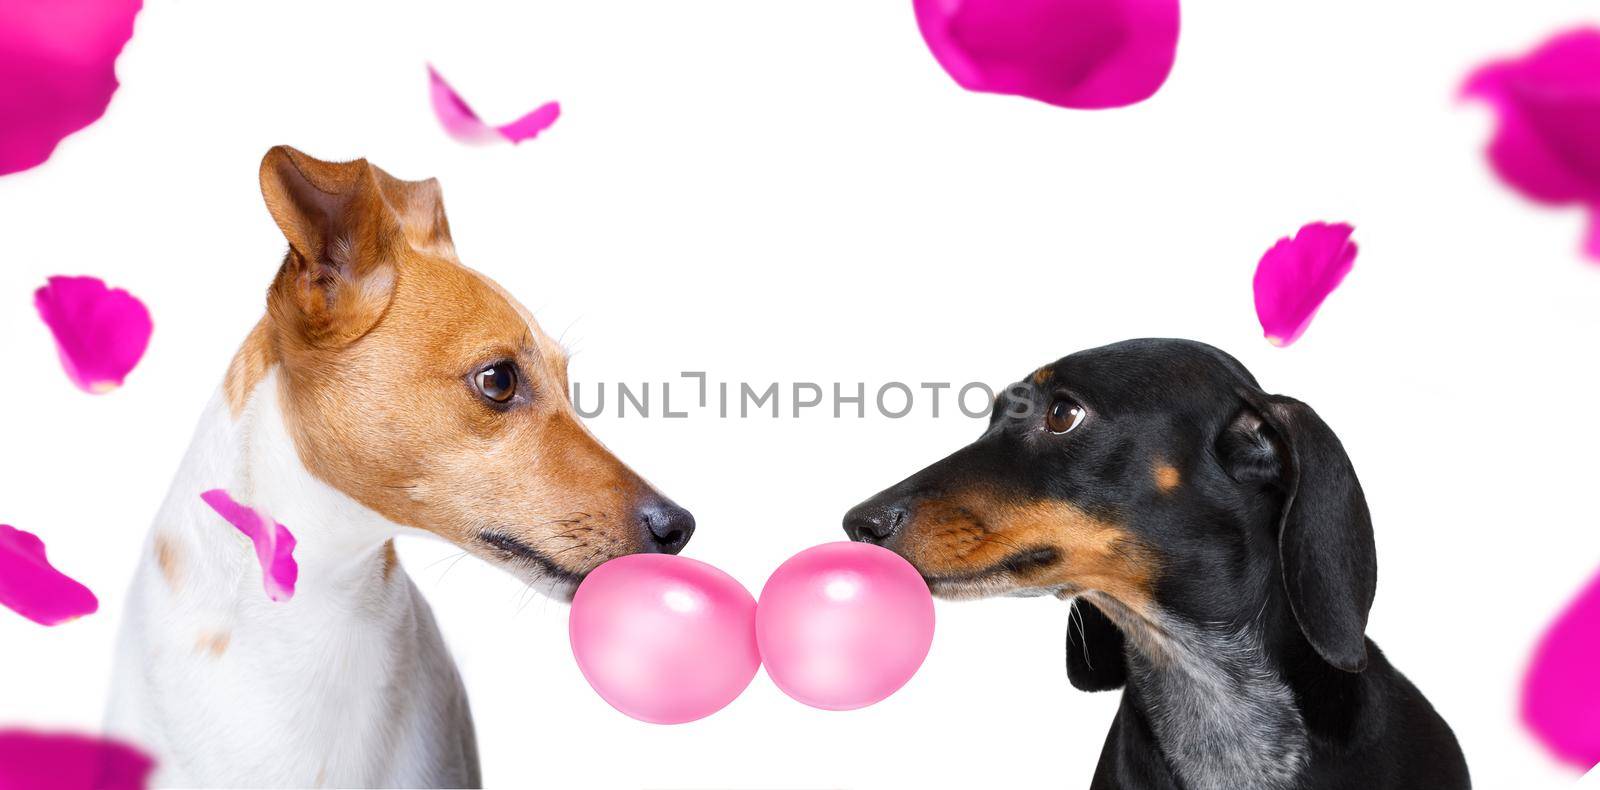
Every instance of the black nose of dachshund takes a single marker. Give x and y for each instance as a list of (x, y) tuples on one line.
[(874, 522), (667, 525)]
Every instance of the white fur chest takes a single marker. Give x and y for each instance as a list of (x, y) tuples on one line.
[(349, 683)]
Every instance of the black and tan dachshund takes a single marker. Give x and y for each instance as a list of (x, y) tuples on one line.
[(1219, 554)]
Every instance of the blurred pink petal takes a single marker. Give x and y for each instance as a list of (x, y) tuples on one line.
[(100, 333), (1547, 145), (1085, 54), (1295, 276), (31, 587), (274, 544), (56, 71), (463, 124), (70, 762), (1561, 693)]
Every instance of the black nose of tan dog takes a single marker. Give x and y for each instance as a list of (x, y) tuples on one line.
[(873, 522), (667, 525)]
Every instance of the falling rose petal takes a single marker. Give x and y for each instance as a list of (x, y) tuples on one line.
[(101, 333), (70, 762), (460, 122), (1295, 276), (274, 544), (56, 71), (1561, 692), (33, 588), (1084, 54), (1548, 108)]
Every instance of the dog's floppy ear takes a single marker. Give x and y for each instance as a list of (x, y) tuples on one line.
[(1325, 544), (339, 274), (1095, 658)]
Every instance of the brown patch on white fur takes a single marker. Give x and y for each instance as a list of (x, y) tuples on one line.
[(963, 543), (1167, 477), (390, 559), (213, 643), (167, 560), (377, 330)]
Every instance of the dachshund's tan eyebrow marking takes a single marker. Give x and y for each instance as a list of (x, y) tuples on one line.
[(1167, 477), (1041, 376)]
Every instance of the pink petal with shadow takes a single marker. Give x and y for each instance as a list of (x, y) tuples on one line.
[(1295, 276), (1083, 54), (460, 122), (273, 541), (57, 72), (1547, 141), (1561, 692), (70, 762), (33, 588), (101, 333)]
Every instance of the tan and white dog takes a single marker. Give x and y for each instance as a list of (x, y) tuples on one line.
[(388, 389)]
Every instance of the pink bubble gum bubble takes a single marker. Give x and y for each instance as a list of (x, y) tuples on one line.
[(664, 639), (844, 625)]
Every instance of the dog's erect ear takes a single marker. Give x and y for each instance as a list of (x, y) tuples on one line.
[(420, 207), (339, 274), (1325, 544), (1095, 658)]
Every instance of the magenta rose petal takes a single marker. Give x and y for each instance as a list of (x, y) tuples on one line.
[(57, 71), (70, 762), (273, 542), (460, 122), (1083, 54), (101, 333), (1547, 105), (529, 126), (1561, 692), (33, 588), (1297, 274), (1591, 246)]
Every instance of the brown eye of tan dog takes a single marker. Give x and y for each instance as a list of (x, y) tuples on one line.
[(497, 382), (1064, 415)]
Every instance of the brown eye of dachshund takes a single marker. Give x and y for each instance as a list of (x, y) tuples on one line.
[(497, 382), (1064, 415)]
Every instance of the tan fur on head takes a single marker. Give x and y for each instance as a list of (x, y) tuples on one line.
[(967, 542), (377, 329)]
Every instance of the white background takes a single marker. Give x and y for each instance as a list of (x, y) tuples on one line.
[(795, 191)]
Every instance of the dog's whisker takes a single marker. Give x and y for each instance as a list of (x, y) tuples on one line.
[(456, 556), (450, 567)]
